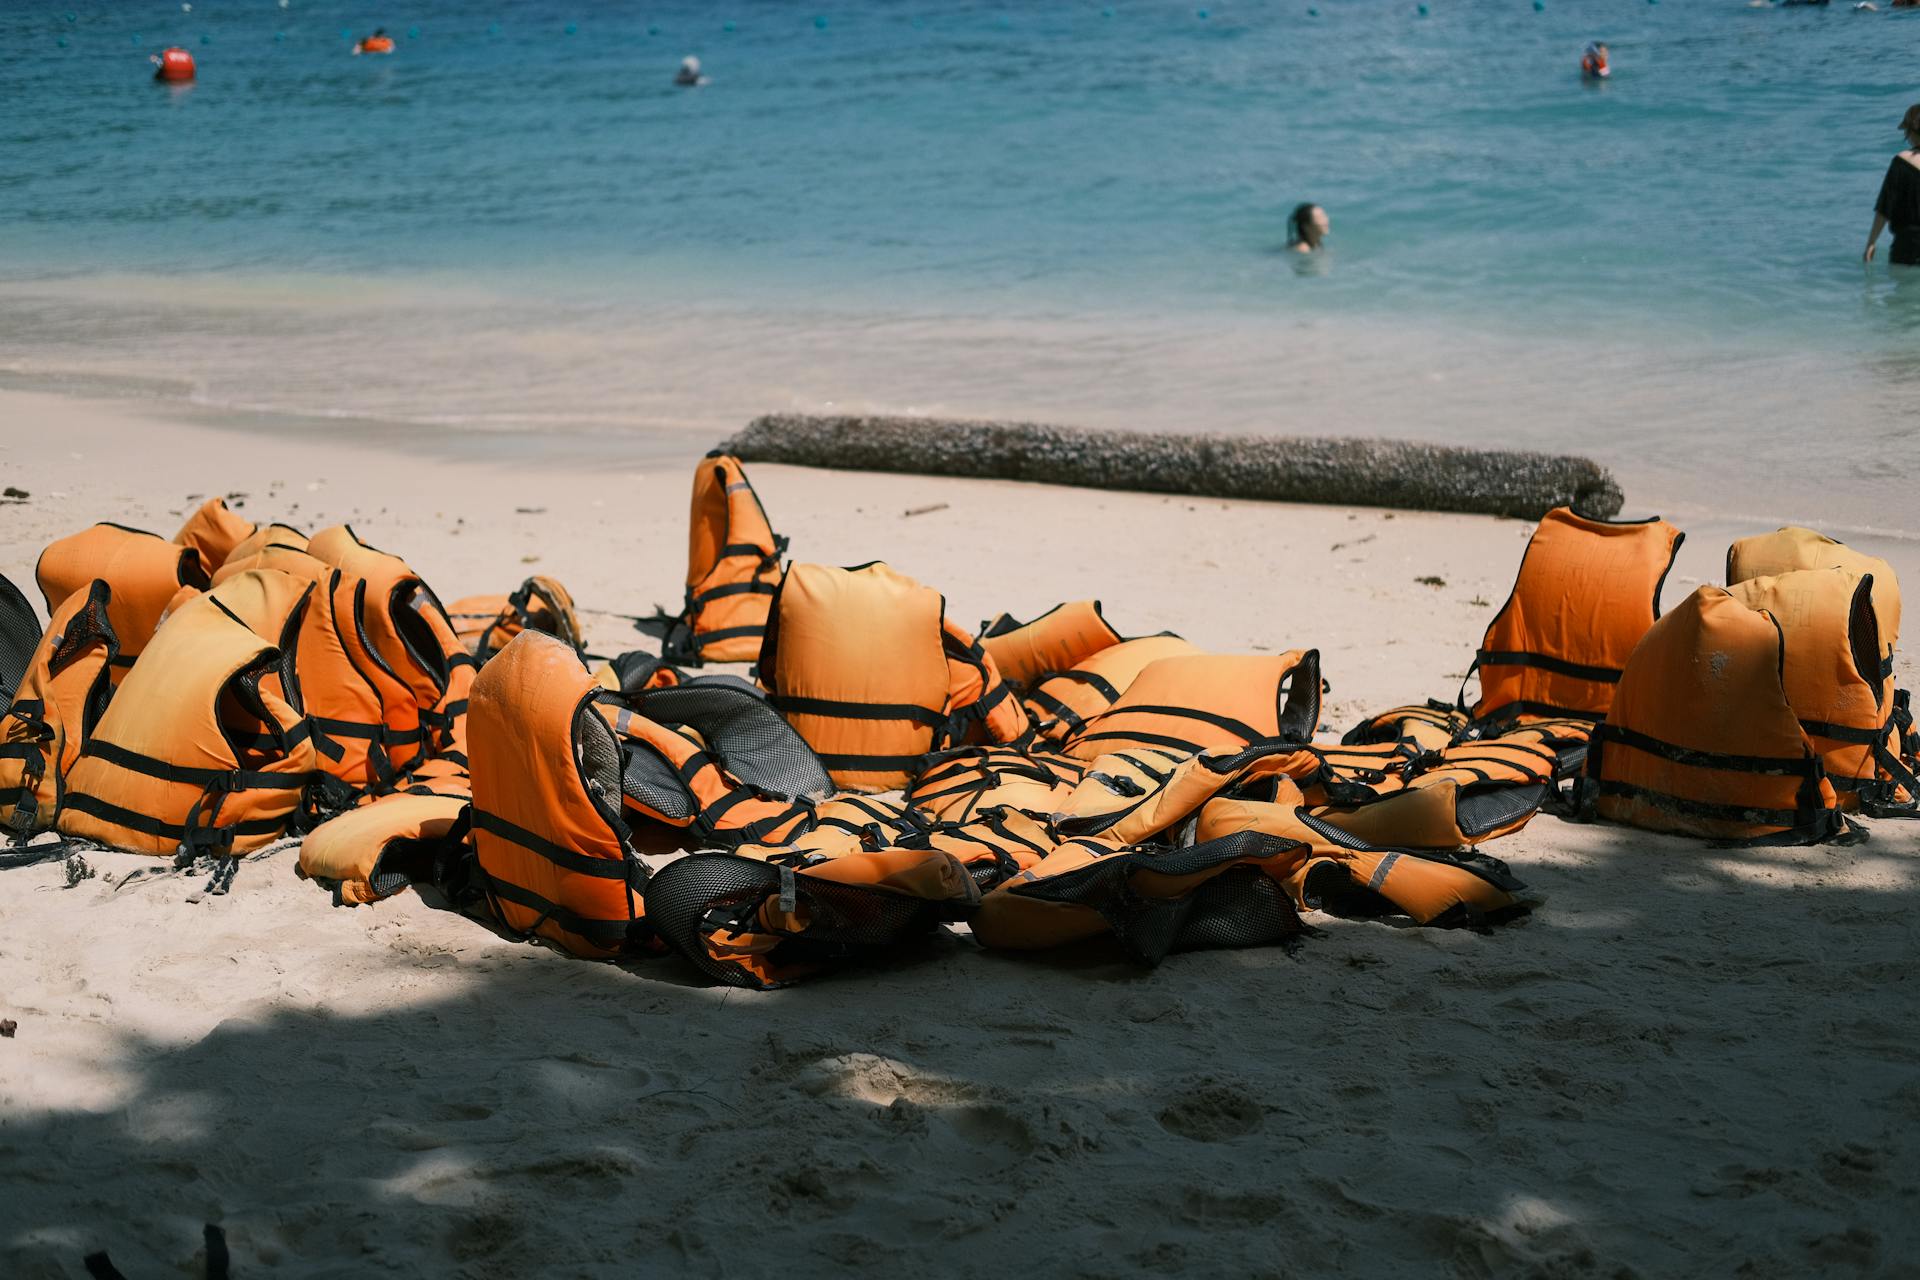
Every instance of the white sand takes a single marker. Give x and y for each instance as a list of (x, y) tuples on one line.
[(1690, 1062)]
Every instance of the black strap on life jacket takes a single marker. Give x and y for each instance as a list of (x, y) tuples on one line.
[(1808, 822)]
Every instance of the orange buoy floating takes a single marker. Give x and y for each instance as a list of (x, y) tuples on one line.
[(174, 65), (378, 42)]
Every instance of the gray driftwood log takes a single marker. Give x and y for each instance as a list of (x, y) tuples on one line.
[(1370, 473)]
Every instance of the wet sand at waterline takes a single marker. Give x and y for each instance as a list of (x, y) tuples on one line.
[(1688, 1061)]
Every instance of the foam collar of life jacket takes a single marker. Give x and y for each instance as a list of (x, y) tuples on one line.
[(1210, 702), (1701, 739), (402, 641), (864, 663), (755, 924), (1061, 638), (1792, 547), (1344, 874), (214, 530), (204, 748), (145, 571), (359, 854), (484, 624), (1832, 674), (733, 567), (1153, 901), (549, 843), (1586, 592), (60, 699), (1061, 704)]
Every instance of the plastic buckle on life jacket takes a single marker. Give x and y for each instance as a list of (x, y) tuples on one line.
[(25, 810)]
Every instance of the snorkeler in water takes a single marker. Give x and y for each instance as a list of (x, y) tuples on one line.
[(689, 77)]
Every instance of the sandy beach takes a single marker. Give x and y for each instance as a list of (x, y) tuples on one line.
[(1688, 1061)]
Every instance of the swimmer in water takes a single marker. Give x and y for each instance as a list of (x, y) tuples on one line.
[(378, 42), (1593, 62), (689, 77), (1307, 228)]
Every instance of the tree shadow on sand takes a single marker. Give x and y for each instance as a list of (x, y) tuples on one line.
[(1689, 1061)]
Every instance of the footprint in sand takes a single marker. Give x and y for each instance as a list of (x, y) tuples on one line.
[(1210, 1111)]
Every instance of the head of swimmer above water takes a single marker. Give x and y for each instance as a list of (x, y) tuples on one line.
[(689, 72), (1910, 125), (1307, 227)]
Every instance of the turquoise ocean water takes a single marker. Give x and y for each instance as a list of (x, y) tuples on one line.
[(1069, 211)]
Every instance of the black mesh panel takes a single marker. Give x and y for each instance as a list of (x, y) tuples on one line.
[(1490, 808), (705, 892), (751, 740), (19, 637)]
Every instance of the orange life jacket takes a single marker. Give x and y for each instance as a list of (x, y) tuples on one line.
[(401, 640), (864, 663), (1792, 547), (1428, 726), (1061, 638), (1701, 738), (749, 923), (484, 624), (1832, 673), (377, 44), (1345, 875), (1060, 705), (733, 567), (52, 714), (214, 531), (1210, 702), (840, 825), (144, 570), (340, 698), (966, 780), (204, 748), (1223, 893), (245, 554), (671, 779), (1587, 591), (551, 849), (994, 845), (376, 850)]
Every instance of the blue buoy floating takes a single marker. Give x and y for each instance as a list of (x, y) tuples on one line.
[(1201, 14), (494, 29), (62, 42), (653, 29), (206, 39), (1313, 13), (71, 16), (1539, 6), (572, 27), (820, 22), (1423, 11), (727, 27), (1106, 13), (413, 33), (279, 37)]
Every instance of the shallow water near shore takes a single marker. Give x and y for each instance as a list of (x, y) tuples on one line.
[(1071, 214)]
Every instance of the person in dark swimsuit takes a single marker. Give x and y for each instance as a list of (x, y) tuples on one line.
[(1899, 203)]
